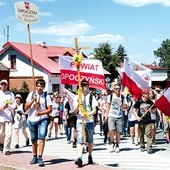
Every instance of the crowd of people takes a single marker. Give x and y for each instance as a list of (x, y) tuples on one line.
[(116, 111)]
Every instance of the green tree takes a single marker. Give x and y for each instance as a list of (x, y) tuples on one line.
[(163, 53), (122, 53), (24, 87), (109, 59)]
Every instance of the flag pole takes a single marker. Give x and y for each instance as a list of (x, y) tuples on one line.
[(147, 111), (32, 65)]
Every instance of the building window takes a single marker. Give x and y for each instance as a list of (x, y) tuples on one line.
[(55, 88), (68, 86), (13, 61)]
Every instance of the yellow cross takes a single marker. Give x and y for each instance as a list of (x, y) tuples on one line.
[(77, 48)]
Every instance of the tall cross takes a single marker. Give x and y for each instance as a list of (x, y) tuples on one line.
[(77, 48)]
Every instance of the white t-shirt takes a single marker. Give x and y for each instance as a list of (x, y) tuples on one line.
[(6, 115), (86, 104), (115, 110), (41, 107), (131, 116)]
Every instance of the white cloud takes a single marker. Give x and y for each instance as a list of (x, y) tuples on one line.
[(66, 29), (45, 0), (94, 39), (155, 40), (2, 2), (140, 3), (45, 14)]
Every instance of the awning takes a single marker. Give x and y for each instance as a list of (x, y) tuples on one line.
[(159, 78)]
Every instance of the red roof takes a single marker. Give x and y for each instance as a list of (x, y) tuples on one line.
[(41, 54), (154, 67)]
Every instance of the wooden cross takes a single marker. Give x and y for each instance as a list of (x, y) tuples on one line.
[(77, 48)]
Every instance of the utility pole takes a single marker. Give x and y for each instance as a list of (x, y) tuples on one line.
[(4, 35), (7, 36)]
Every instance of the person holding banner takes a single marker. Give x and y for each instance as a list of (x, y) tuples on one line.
[(39, 105), (89, 122), (143, 108)]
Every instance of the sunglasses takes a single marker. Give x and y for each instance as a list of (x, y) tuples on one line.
[(3, 84), (116, 88)]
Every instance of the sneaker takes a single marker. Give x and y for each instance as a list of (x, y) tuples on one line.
[(68, 142), (74, 145), (142, 149), (40, 162), (167, 141), (117, 150), (149, 150), (49, 135), (111, 147), (79, 162), (84, 150), (27, 142), (133, 141), (34, 160), (90, 160), (1, 147), (16, 146), (7, 153)]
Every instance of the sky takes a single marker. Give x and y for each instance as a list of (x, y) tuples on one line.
[(139, 26)]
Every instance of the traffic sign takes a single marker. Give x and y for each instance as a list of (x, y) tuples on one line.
[(26, 12), (107, 79)]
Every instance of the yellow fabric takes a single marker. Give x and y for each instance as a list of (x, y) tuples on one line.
[(86, 115), (167, 118)]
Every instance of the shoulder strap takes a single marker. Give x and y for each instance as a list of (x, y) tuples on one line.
[(111, 98), (45, 96), (90, 99), (32, 96)]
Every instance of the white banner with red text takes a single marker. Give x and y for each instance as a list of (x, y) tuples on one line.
[(90, 70)]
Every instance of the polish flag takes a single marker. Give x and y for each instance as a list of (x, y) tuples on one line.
[(133, 81), (163, 103), (143, 71), (91, 70)]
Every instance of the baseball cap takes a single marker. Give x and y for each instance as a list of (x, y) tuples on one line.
[(3, 81), (84, 83), (145, 91), (18, 95)]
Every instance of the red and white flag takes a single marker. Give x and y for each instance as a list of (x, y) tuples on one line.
[(133, 81), (90, 69), (163, 103), (143, 71)]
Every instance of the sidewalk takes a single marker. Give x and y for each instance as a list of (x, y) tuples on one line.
[(60, 155)]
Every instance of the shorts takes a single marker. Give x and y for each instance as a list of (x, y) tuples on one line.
[(89, 129), (115, 124), (38, 130), (20, 124), (73, 121), (166, 126), (132, 123)]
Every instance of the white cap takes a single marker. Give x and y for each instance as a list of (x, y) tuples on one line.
[(18, 95), (3, 81)]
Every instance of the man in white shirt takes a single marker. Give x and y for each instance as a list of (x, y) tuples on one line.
[(7, 105), (39, 105), (90, 107)]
